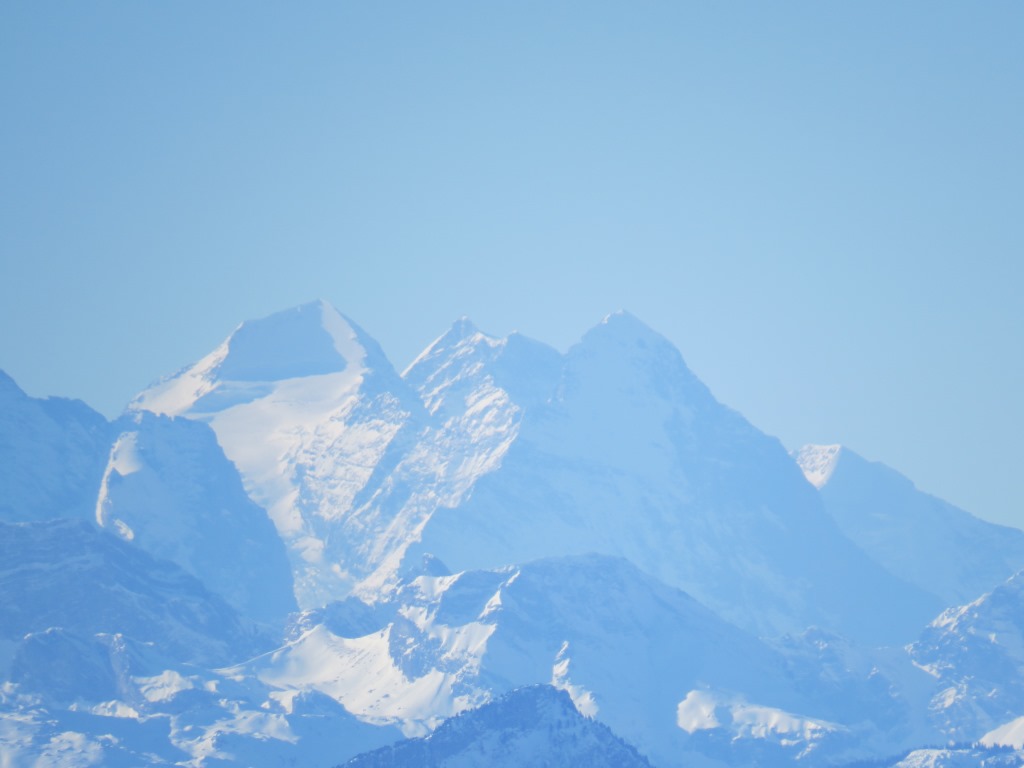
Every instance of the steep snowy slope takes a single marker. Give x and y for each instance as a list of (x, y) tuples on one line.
[(466, 421), (918, 537), (309, 410), (976, 655), (1009, 734), (476, 389), (169, 489), (633, 457), (536, 726), (52, 453), (464, 365)]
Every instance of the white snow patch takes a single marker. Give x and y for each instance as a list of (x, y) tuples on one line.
[(124, 456), (697, 712), (125, 460), (177, 394), (581, 697), (345, 340), (925, 758), (164, 686), (115, 708), (430, 588), (818, 462), (704, 710), (1009, 734), (71, 749), (362, 676)]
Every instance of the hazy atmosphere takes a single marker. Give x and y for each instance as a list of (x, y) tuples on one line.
[(820, 205)]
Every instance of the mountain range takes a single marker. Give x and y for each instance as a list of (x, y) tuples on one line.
[(290, 551)]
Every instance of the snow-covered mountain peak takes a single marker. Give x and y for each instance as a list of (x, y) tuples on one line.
[(818, 462), (465, 362), (305, 404), (310, 340), (462, 328), (618, 388), (460, 341), (306, 340), (624, 355), (624, 328)]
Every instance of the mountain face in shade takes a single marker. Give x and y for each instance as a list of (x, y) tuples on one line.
[(68, 574), (535, 726), (921, 539), (169, 489), (52, 453), (631, 456)]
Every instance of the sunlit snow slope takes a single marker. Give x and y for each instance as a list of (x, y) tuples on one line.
[(306, 406)]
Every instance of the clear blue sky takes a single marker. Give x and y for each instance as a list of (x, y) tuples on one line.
[(821, 204)]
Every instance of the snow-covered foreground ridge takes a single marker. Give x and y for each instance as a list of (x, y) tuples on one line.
[(290, 552)]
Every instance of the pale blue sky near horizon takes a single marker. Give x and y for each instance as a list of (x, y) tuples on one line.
[(820, 204)]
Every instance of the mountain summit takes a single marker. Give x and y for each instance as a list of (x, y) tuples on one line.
[(305, 404), (311, 340)]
